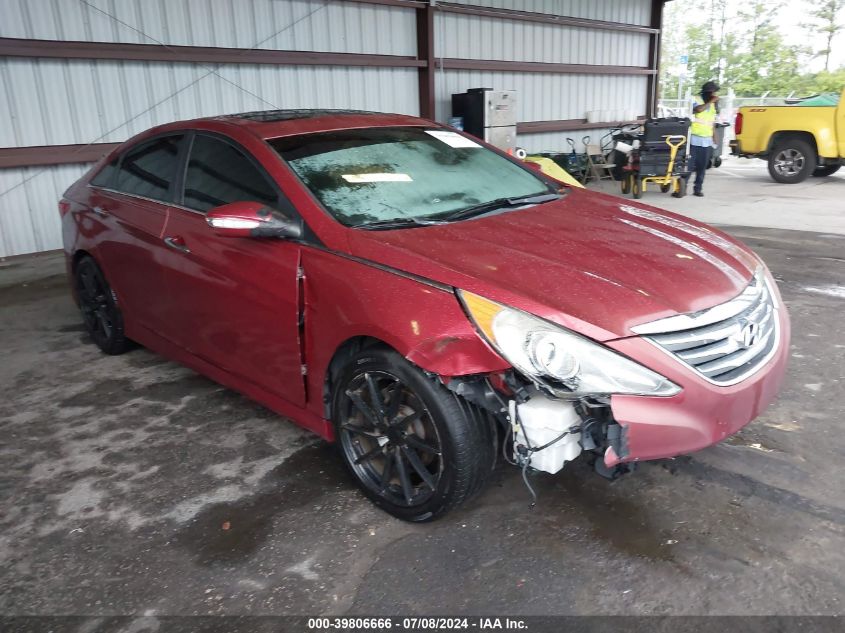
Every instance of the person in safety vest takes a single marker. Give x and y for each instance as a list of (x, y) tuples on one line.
[(701, 133)]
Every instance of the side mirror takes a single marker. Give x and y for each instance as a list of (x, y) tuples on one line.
[(251, 219)]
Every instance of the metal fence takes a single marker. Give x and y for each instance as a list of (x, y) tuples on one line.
[(729, 104)]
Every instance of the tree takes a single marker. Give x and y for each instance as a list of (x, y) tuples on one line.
[(825, 21), (767, 63), (743, 50)]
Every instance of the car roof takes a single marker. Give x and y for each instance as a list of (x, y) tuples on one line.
[(268, 124)]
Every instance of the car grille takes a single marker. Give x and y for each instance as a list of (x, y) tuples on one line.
[(727, 343)]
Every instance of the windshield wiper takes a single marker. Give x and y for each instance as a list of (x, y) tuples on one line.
[(498, 203), (396, 223)]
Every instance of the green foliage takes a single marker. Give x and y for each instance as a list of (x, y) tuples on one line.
[(825, 25), (746, 51)]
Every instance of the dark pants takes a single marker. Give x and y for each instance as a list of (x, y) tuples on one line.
[(699, 159)]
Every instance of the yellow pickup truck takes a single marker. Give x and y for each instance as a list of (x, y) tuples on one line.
[(797, 140)]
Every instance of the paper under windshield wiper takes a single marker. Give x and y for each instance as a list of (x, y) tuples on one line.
[(492, 205)]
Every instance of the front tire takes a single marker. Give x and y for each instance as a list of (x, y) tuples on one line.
[(416, 449), (792, 161), (100, 310), (825, 170)]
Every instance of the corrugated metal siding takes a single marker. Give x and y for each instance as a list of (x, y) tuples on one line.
[(46, 102), (625, 11), (29, 215), (546, 96), (59, 102), (318, 25), (473, 37)]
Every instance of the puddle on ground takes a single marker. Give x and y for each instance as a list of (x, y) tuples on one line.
[(575, 495), (228, 532), (614, 519), (753, 440)]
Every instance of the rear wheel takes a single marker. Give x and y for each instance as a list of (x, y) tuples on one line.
[(415, 448), (100, 311), (825, 170), (792, 161), (665, 188)]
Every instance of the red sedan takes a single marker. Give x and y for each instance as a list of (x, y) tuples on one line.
[(422, 298)]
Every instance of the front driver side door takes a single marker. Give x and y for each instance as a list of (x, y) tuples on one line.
[(233, 302)]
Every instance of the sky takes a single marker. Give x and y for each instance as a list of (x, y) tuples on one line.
[(789, 19)]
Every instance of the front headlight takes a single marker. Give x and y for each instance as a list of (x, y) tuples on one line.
[(546, 352)]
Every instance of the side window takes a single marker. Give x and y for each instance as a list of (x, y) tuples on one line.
[(105, 177), (219, 174), (149, 169)]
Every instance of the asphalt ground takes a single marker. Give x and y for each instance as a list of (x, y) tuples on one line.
[(132, 486), (741, 192)]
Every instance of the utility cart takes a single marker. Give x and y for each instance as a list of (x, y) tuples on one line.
[(659, 158)]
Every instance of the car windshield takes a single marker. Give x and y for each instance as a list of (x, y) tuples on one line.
[(410, 176)]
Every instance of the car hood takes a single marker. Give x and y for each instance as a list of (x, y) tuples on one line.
[(591, 262)]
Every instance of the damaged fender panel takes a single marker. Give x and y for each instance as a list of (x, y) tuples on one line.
[(423, 322), (701, 415)]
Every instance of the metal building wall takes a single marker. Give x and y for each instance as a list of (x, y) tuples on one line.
[(549, 96), (58, 102), (624, 11), (305, 25), (46, 102)]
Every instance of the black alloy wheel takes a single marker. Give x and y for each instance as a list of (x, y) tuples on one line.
[(100, 312), (415, 448), (389, 438)]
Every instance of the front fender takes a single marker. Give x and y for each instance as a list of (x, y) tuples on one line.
[(345, 298)]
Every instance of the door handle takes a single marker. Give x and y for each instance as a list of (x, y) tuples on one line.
[(100, 211), (177, 242)]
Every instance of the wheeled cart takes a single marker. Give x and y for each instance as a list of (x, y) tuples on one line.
[(660, 158)]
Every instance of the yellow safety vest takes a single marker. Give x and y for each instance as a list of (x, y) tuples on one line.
[(702, 123)]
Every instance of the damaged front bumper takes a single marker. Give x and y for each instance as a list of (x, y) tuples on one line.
[(701, 415)]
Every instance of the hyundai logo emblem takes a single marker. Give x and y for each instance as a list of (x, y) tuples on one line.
[(748, 335)]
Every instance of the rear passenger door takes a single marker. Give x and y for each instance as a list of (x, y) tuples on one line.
[(233, 302), (131, 197)]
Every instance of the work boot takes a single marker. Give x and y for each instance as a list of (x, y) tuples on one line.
[(698, 194)]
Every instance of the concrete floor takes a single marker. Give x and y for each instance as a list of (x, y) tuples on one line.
[(742, 192), (130, 485)]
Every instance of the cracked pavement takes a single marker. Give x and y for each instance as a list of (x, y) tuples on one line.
[(133, 486)]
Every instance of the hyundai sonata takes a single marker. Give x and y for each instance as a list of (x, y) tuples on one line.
[(421, 298)]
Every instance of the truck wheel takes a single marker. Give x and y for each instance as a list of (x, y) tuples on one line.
[(792, 161), (825, 170), (415, 448)]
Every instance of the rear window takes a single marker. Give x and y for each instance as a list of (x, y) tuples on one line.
[(150, 169), (105, 177), (376, 174)]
